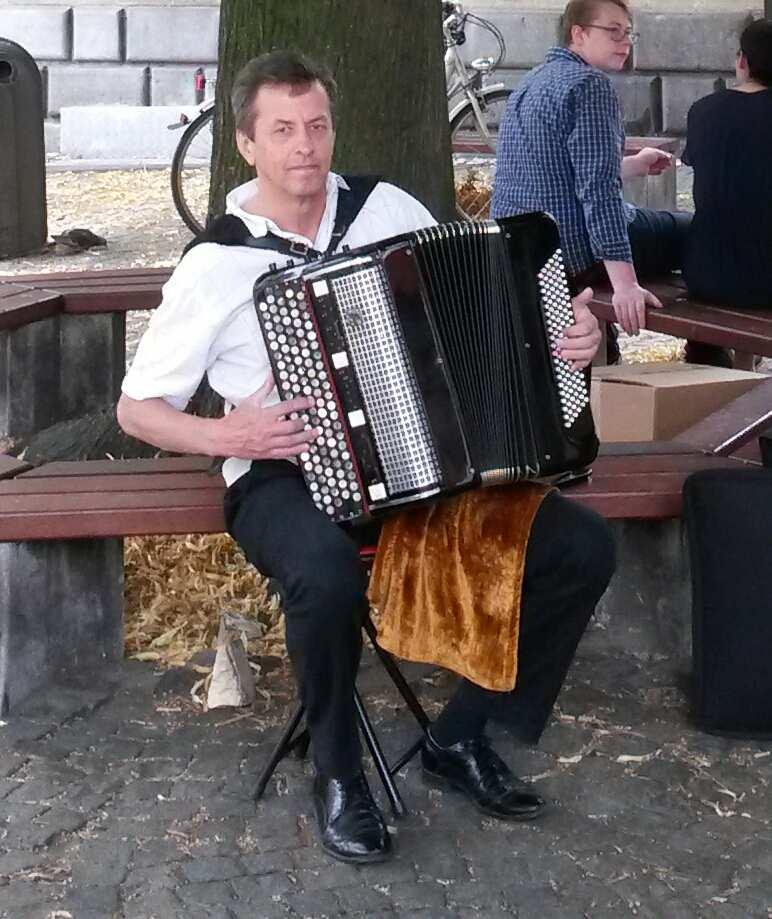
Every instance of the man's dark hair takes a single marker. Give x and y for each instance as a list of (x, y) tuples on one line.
[(580, 12), (276, 68), (756, 45)]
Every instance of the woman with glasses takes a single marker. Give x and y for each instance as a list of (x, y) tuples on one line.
[(728, 257), (561, 150)]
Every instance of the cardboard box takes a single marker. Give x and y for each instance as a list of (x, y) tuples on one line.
[(633, 402)]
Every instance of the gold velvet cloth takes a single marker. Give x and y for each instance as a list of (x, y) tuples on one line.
[(447, 581)]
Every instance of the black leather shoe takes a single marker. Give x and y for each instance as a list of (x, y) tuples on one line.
[(474, 768), (351, 826)]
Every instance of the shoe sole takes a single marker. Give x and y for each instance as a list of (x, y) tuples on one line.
[(440, 781), (373, 859)]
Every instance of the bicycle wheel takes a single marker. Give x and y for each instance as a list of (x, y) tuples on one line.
[(191, 171), (474, 154)]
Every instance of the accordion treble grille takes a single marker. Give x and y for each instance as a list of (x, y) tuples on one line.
[(385, 376)]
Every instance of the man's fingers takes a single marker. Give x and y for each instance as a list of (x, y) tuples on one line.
[(579, 330), (651, 300), (303, 439), (640, 316), (583, 298), (298, 404), (282, 427), (285, 452)]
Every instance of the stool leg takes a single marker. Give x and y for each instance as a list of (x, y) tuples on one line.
[(397, 804), (282, 748), (404, 690), (407, 755), (300, 744), (396, 675)]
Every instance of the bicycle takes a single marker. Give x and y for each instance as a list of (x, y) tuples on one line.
[(474, 121), (475, 118)]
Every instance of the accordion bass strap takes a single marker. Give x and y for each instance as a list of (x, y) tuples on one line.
[(230, 230)]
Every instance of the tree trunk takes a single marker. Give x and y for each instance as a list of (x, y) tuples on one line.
[(387, 58)]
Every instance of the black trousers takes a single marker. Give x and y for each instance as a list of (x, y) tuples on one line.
[(569, 561)]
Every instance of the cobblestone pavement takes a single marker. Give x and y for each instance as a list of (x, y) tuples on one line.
[(118, 802)]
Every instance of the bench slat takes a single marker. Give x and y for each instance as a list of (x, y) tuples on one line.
[(202, 518), (21, 305), (150, 501), (734, 425), (102, 276), (165, 464), (10, 466), (745, 329), (110, 484)]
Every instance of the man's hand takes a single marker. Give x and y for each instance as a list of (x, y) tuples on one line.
[(630, 302), (650, 161), (580, 341), (251, 431)]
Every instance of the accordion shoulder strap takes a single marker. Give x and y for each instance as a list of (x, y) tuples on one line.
[(230, 230)]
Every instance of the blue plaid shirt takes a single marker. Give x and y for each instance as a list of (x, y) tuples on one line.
[(561, 142)]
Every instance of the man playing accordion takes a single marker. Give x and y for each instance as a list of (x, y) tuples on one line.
[(206, 324)]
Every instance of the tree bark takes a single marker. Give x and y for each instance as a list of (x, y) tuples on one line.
[(387, 58)]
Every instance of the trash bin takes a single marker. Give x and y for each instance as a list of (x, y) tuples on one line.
[(22, 163)]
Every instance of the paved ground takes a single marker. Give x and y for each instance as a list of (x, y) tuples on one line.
[(115, 802)]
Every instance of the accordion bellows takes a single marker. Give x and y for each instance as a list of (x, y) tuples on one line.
[(429, 356)]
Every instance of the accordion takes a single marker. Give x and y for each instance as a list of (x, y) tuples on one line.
[(429, 358)]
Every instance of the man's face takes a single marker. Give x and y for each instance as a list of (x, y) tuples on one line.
[(292, 139), (606, 50)]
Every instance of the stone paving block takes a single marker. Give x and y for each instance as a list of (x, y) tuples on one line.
[(206, 894), (18, 894), (263, 888), (158, 905), (679, 93), (96, 34), (417, 895), (43, 32), (688, 41), (321, 904), (211, 869), (528, 34), (147, 881), (179, 34), (102, 900), (74, 85)]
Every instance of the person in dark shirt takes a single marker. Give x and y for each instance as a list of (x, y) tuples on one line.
[(728, 257)]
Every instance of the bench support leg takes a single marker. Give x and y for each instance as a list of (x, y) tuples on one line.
[(61, 611), (646, 610)]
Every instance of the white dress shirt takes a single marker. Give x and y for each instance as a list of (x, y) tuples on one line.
[(206, 323)]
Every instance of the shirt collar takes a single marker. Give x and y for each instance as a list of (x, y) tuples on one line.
[(259, 226), (564, 54)]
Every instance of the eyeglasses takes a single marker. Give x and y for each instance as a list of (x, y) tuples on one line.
[(616, 33)]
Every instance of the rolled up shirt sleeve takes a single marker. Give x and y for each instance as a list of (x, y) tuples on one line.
[(595, 148)]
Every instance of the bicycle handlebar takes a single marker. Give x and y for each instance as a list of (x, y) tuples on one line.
[(454, 21)]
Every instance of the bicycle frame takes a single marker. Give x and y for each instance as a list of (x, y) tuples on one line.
[(459, 79)]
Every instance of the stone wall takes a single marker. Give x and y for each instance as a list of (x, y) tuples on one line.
[(147, 55)]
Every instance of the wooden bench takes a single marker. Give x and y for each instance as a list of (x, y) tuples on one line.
[(748, 331), (62, 527)]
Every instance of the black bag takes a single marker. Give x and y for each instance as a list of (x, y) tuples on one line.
[(728, 515)]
